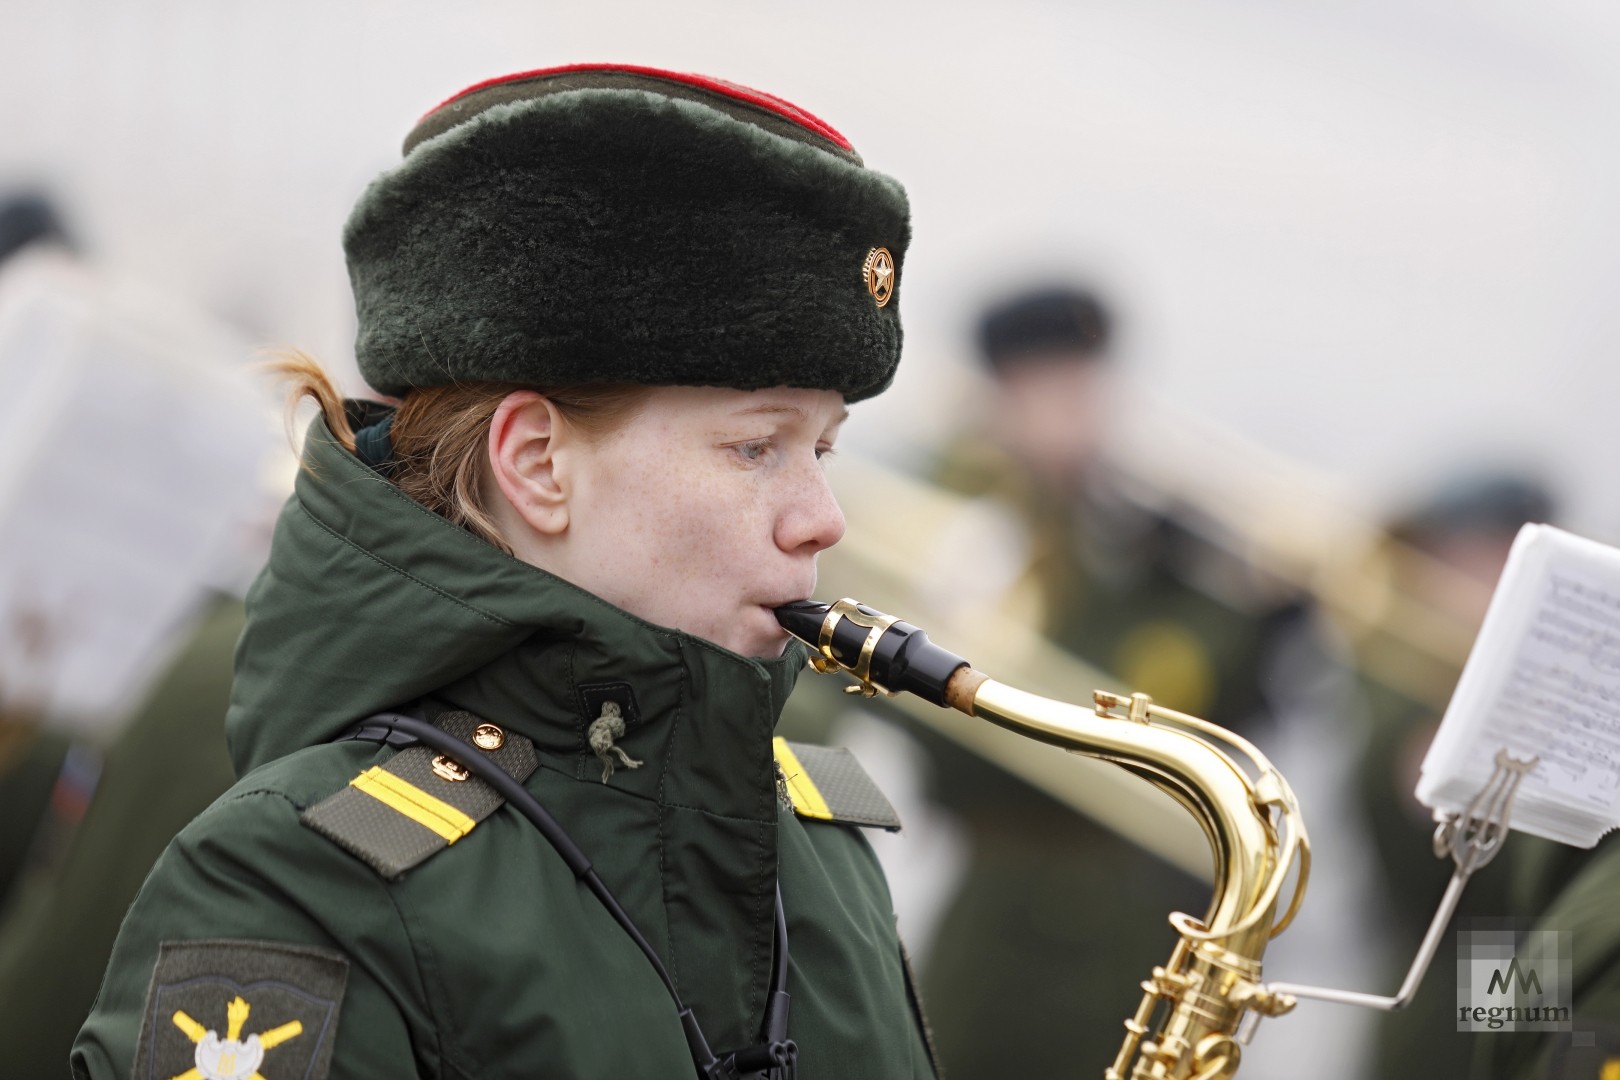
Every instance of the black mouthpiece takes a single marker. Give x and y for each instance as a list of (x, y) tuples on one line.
[(904, 658)]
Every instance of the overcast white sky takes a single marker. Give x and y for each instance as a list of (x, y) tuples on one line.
[(1377, 237)]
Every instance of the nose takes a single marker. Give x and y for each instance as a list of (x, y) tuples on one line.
[(812, 521)]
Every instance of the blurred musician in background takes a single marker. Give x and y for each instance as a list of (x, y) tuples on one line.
[(118, 615), (1058, 918), (31, 755), (1136, 592), (1443, 554)]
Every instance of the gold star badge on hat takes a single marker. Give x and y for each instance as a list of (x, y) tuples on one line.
[(879, 272)]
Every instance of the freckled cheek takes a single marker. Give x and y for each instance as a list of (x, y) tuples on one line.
[(611, 525), (673, 525), (724, 548)]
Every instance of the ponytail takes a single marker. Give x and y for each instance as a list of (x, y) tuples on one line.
[(307, 379)]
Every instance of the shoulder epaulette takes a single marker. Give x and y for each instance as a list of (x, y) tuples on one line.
[(827, 784), (419, 802)]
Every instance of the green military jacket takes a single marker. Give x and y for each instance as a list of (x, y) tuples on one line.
[(260, 945)]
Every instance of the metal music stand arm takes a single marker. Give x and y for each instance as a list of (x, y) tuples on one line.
[(1472, 839)]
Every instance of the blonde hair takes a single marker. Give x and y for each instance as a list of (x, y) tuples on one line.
[(440, 433)]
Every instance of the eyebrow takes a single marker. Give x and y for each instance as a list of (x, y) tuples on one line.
[(792, 410)]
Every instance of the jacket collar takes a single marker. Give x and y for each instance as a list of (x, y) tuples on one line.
[(370, 602)]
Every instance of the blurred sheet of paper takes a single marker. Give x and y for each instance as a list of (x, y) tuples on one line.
[(136, 454), (1543, 682)]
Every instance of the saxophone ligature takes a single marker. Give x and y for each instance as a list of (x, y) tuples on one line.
[(1198, 1010)]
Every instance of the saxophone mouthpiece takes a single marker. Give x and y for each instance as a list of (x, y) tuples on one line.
[(880, 651), (803, 619)]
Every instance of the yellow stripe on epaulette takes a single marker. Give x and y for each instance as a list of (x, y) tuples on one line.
[(829, 785), (417, 803), (414, 803), (807, 801)]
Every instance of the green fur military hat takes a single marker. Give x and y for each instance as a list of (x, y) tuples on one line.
[(601, 223)]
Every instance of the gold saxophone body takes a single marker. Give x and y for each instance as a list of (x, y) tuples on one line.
[(1198, 1009)]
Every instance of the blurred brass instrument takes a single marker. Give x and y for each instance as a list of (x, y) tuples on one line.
[(1407, 618), (1198, 1009), (1281, 529)]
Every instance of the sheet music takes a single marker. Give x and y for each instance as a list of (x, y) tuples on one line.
[(1543, 681), (1561, 700), (132, 463)]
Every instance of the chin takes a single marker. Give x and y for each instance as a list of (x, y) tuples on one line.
[(772, 651), (762, 648), (767, 643)]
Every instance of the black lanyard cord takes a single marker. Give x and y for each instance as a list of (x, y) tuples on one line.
[(775, 1058)]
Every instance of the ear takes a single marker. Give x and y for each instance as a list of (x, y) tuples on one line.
[(526, 435)]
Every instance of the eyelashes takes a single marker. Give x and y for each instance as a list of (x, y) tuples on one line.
[(756, 451)]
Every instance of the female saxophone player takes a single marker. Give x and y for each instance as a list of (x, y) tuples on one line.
[(503, 708)]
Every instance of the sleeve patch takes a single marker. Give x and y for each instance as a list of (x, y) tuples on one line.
[(235, 1010), (826, 784)]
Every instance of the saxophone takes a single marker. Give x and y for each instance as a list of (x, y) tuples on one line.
[(1199, 1009)]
